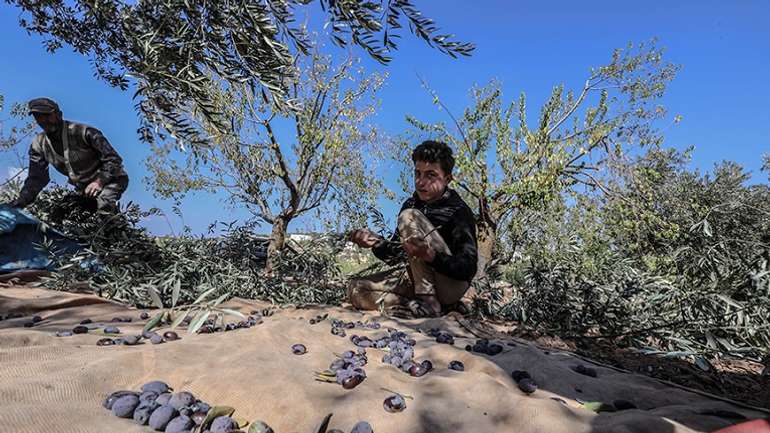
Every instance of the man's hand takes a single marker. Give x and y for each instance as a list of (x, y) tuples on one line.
[(94, 188), (417, 246), (364, 238)]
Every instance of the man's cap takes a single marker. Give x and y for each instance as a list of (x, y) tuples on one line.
[(42, 105)]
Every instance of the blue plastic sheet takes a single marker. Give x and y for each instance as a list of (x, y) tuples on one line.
[(21, 236)]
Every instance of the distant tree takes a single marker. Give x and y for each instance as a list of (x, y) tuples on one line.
[(176, 49), (322, 160), (766, 165), (699, 225), (15, 127), (507, 166)]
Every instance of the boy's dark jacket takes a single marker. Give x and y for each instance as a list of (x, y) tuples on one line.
[(456, 225)]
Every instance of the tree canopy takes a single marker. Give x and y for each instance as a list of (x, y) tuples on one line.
[(174, 49), (507, 164)]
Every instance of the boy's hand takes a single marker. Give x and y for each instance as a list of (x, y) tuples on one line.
[(418, 247), (364, 238)]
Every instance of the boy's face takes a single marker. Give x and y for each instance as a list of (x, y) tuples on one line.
[(430, 181)]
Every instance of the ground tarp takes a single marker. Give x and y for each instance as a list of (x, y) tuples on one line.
[(21, 238), (50, 383)]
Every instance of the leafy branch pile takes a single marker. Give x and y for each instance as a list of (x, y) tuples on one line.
[(124, 262)]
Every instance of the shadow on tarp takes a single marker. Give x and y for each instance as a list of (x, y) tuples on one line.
[(21, 238), (557, 377)]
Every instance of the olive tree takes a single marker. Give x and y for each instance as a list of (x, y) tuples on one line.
[(278, 162), (507, 165), (174, 50)]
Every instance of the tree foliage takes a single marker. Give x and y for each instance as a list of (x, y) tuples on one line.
[(13, 130), (323, 160), (507, 165), (674, 259), (176, 49)]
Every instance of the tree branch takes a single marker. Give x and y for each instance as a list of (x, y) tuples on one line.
[(477, 163), (574, 107), (284, 174)]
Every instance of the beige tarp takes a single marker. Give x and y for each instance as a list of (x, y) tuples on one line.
[(53, 384)]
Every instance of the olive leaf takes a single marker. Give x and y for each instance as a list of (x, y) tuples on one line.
[(198, 321), (703, 363), (154, 322), (324, 424), (154, 296), (232, 312), (598, 406), (204, 295), (219, 300), (175, 292), (214, 413), (240, 421), (179, 319), (259, 427)]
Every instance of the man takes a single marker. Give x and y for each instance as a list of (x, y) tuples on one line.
[(79, 152), (437, 234)]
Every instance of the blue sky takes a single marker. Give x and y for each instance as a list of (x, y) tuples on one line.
[(722, 92)]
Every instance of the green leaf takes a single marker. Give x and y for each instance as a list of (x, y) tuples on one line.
[(204, 295), (326, 379), (677, 354), (179, 318), (702, 363), (598, 406), (729, 300), (198, 321), (241, 422), (175, 292), (232, 312), (154, 296), (215, 412), (219, 300), (155, 321), (711, 342), (707, 228), (259, 427), (324, 424)]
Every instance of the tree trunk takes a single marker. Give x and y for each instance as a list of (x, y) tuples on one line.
[(487, 240), (277, 241), (486, 236)]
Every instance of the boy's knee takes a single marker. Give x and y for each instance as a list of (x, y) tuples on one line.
[(354, 293), (409, 220), (408, 215)]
